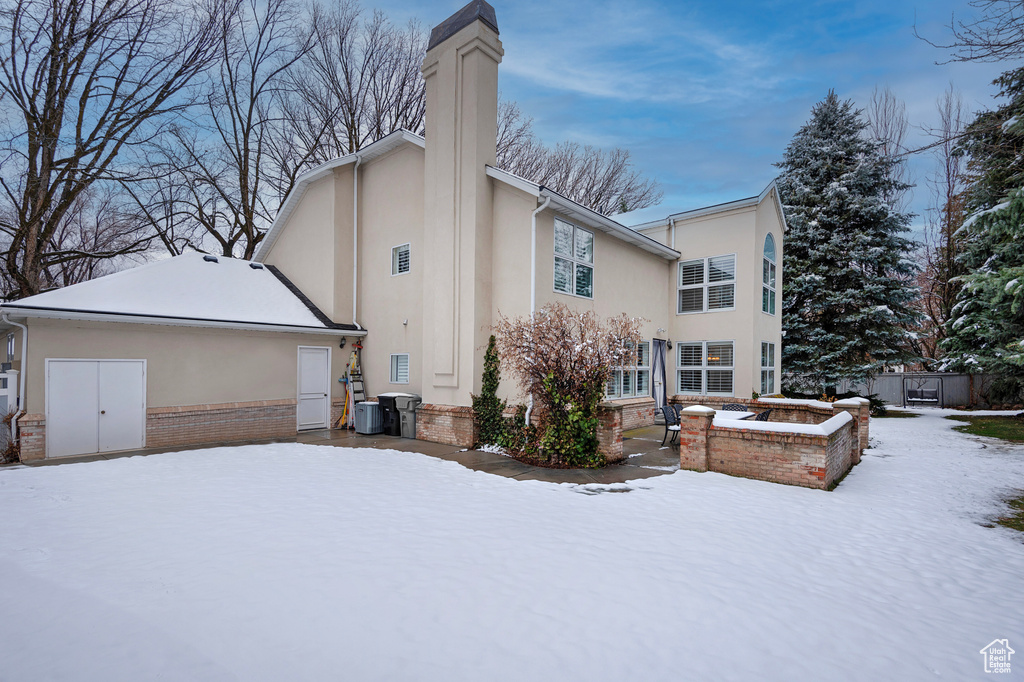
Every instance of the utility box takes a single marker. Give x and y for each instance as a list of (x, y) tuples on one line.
[(406, 406), (368, 418), (392, 421)]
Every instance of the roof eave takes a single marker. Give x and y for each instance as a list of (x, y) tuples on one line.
[(23, 312), (585, 215)]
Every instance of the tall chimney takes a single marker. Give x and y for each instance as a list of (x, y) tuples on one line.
[(461, 73)]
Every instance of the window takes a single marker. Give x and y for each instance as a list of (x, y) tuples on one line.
[(574, 260), (705, 368), (399, 368), (767, 368), (400, 259), (768, 276), (707, 284), (633, 381)]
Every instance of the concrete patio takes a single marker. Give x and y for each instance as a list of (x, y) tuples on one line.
[(645, 456)]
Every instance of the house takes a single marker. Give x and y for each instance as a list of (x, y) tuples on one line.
[(412, 246)]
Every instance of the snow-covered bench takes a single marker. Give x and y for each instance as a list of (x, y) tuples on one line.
[(922, 395)]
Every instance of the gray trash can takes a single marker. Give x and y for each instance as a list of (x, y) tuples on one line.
[(406, 406)]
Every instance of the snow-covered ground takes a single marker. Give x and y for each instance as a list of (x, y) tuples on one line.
[(301, 562)]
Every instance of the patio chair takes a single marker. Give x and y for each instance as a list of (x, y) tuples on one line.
[(734, 407), (671, 423), (762, 416)]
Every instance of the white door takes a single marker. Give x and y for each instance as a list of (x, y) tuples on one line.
[(94, 406), (313, 410)]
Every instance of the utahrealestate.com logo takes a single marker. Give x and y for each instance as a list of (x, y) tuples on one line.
[(997, 656)]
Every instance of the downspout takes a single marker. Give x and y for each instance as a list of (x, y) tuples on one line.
[(533, 280), (672, 224), (21, 378), (355, 240)]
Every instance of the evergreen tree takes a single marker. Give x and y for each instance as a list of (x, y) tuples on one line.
[(986, 329), (848, 277), (487, 408), (986, 333), (993, 142)]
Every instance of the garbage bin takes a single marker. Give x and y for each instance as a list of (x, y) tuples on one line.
[(368, 418), (392, 421), (406, 406)]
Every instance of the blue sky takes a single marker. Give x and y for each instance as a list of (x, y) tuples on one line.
[(706, 95)]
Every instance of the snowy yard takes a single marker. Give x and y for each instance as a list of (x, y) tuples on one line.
[(300, 562)]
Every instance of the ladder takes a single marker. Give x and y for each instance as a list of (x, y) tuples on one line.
[(355, 387)]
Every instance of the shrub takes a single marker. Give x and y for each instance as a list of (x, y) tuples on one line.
[(488, 410), (564, 359)]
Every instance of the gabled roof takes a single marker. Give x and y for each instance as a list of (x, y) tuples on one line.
[(584, 215), (186, 290), (647, 218), (370, 152)]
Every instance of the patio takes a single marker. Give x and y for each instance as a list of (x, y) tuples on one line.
[(645, 456)]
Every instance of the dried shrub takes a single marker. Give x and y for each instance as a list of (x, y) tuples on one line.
[(564, 359)]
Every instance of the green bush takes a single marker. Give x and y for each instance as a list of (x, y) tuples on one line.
[(488, 410)]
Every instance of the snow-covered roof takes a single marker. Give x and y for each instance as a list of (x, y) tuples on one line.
[(584, 215), (186, 289), (660, 216)]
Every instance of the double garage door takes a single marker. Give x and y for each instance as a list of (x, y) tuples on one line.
[(94, 406)]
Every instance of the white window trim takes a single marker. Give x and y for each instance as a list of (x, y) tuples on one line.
[(617, 373), (764, 285), (574, 261), (704, 367), (398, 246), (765, 368), (408, 369), (707, 284)]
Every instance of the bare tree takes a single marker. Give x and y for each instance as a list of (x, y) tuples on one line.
[(223, 166), (887, 125), (938, 279), (359, 82), (605, 181), (88, 83), (995, 35)]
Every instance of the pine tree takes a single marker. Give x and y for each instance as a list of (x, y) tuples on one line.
[(986, 333), (986, 329), (487, 408), (848, 277)]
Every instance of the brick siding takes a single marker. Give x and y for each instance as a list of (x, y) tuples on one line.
[(194, 424)]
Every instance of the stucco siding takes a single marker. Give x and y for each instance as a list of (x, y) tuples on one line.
[(304, 251), (391, 214), (185, 365)]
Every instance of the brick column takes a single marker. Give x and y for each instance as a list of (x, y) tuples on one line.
[(609, 432), (694, 424), (860, 410)]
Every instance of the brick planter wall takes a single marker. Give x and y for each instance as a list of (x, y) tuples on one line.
[(814, 460), (449, 424), (810, 461)]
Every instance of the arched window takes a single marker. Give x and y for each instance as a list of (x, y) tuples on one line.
[(768, 276)]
